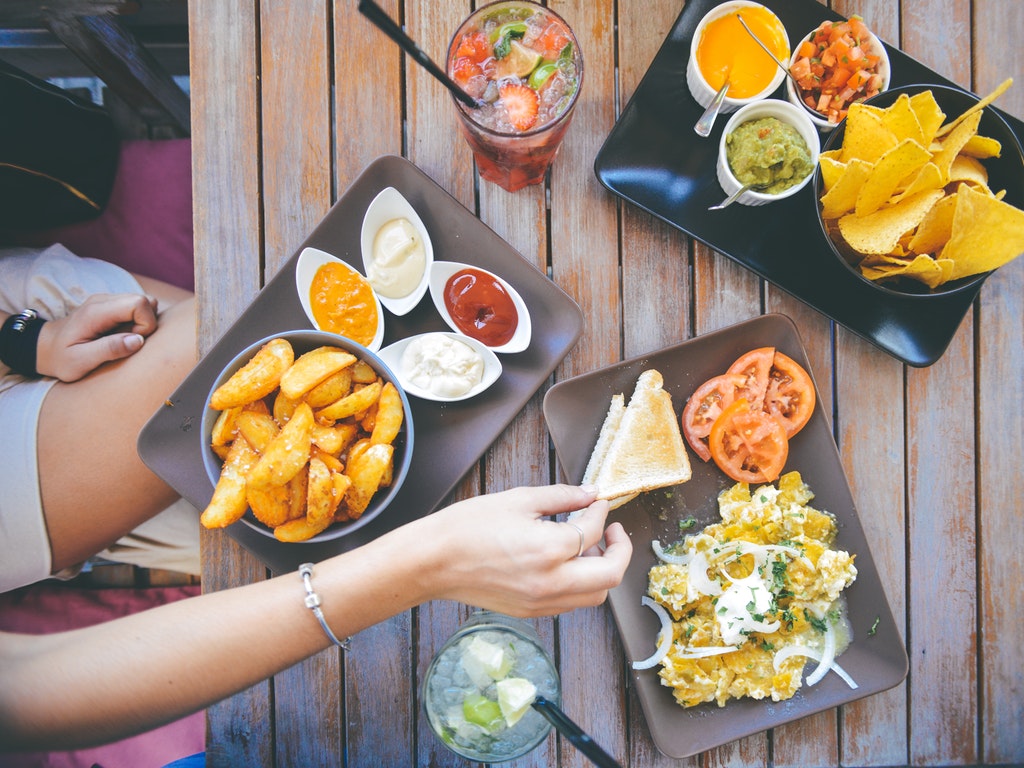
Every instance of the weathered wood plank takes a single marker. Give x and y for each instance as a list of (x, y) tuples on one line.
[(584, 260), (379, 683), (296, 151), (1000, 339), (225, 188), (940, 464), (869, 431)]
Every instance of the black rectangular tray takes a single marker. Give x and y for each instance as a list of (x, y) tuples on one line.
[(653, 159), (449, 438)]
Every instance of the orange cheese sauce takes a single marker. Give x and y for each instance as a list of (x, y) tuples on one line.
[(725, 49), (343, 303)]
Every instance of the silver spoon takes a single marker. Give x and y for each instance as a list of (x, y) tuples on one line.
[(735, 195), (764, 48), (707, 120)]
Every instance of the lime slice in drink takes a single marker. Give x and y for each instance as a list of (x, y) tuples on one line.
[(482, 711), (519, 62), (515, 695)]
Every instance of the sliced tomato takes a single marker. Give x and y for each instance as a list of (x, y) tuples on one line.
[(747, 444), (790, 396), (754, 366), (705, 405)]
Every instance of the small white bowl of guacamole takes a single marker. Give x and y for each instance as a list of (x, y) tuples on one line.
[(772, 144)]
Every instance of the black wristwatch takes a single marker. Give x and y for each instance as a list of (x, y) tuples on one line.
[(19, 337)]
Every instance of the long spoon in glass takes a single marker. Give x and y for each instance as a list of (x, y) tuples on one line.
[(764, 47)]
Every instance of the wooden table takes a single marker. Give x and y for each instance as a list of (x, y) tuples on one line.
[(291, 100)]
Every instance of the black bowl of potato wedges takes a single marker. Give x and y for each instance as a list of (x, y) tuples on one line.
[(307, 436)]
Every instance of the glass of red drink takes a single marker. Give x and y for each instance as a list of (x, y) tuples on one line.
[(522, 62)]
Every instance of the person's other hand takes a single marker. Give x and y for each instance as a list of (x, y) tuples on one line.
[(504, 552), (105, 327)]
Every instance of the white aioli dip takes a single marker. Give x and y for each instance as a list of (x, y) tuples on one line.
[(442, 365), (399, 259)]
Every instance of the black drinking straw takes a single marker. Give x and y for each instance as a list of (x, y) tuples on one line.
[(576, 735), (382, 21)]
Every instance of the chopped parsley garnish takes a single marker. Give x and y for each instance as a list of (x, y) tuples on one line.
[(688, 523), (874, 627)]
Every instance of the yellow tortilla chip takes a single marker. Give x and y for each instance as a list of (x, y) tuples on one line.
[(987, 233), (842, 197), (935, 228), (954, 142), (880, 231), (901, 119), (865, 138), (928, 177), (929, 115), (982, 147), (968, 169), (976, 108), (923, 268), (894, 166), (831, 170)]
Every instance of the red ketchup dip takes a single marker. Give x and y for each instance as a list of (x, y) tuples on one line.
[(481, 307)]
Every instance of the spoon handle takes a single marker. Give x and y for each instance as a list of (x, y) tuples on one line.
[(707, 120), (731, 198), (386, 24)]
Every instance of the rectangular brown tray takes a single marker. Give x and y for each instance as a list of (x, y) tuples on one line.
[(574, 410), (449, 437)]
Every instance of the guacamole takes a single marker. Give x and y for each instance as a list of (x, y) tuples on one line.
[(768, 151)]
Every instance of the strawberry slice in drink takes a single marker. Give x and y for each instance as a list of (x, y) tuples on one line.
[(521, 104)]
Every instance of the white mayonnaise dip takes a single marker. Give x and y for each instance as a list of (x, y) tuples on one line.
[(442, 365), (399, 259)]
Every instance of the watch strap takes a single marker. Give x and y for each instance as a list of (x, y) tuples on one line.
[(19, 338)]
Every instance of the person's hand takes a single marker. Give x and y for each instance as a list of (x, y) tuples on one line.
[(504, 552), (105, 327)]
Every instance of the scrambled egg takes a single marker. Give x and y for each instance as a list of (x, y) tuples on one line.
[(762, 579)]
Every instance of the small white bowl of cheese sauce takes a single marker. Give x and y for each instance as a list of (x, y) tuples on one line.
[(442, 366), (397, 251)]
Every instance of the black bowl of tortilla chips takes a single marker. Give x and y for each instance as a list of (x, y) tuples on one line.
[(920, 190)]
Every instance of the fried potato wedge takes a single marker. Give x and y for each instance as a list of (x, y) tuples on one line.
[(257, 428), (224, 427), (270, 504), (257, 378), (313, 368), (389, 415), (319, 493), (358, 401), (228, 503), (331, 389), (300, 529), (366, 471), (288, 452)]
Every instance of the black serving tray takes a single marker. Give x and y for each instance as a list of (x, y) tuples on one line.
[(653, 159)]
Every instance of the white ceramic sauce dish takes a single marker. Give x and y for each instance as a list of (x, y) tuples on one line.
[(817, 118), (389, 205), (309, 261), (440, 273), (703, 93), (393, 354), (785, 112)]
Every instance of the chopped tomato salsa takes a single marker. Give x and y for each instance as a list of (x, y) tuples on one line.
[(837, 66)]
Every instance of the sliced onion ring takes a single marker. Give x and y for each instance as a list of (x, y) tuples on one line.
[(701, 653), (828, 655), (664, 636), (666, 557)]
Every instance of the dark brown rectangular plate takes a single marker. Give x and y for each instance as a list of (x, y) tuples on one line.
[(449, 437), (653, 159), (876, 659)]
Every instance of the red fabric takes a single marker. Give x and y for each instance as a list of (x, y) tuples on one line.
[(53, 607), (146, 227)]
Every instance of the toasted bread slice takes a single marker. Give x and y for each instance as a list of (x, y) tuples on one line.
[(604, 440), (646, 450)]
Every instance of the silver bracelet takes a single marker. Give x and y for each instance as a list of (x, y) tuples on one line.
[(313, 603)]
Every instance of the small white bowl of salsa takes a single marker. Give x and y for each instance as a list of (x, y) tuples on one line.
[(836, 64)]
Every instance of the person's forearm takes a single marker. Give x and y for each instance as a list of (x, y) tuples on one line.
[(186, 655)]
